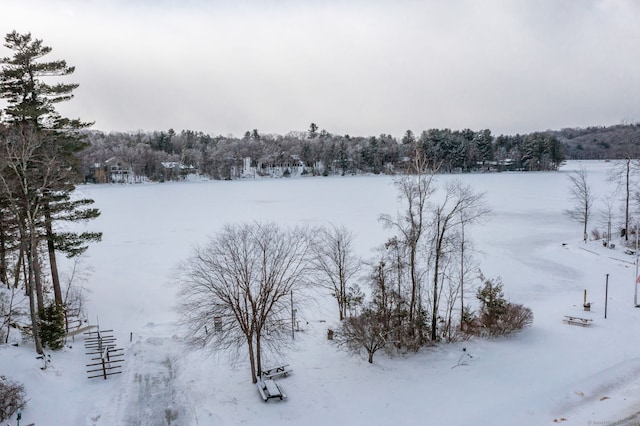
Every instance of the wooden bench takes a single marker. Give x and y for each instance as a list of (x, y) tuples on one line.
[(282, 370), (584, 322), (270, 389)]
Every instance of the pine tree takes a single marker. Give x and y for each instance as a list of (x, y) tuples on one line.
[(40, 177), (492, 301), (52, 330)]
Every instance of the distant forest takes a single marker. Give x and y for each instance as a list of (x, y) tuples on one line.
[(169, 155), (600, 143)]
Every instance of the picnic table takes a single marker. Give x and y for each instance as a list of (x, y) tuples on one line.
[(281, 370), (270, 389), (584, 322)]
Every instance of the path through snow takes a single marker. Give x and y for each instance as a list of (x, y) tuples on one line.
[(147, 393)]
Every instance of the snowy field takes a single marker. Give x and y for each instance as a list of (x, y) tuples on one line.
[(550, 373)]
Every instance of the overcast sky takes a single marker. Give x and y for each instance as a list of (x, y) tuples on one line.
[(361, 67)]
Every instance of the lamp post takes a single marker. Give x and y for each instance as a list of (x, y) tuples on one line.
[(636, 278), (293, 318), (606, 297)]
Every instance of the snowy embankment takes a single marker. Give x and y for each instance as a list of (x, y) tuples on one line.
[(550, 372)]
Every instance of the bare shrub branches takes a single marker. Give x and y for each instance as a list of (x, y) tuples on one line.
[(366, 332), (12, 397)]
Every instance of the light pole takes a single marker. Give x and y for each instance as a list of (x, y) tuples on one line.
[(636, 278), (293, 318), (606, 297)]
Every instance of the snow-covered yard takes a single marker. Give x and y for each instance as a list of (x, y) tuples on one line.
[(551, 372)]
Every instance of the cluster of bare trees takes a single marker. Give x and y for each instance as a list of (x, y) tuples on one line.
[(239, 290), (38, 170), (418, 281), (624, 174), (421, 278)]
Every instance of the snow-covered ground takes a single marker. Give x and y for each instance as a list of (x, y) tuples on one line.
[(551, 372)]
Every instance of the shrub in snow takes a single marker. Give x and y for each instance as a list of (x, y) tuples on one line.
[(12, 397), (365, 332), (4, 315), (499, 317), (12, 313), (515, 317)]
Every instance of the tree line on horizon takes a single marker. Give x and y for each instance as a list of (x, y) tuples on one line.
[(317, 152), (620, 141), (323, 153)]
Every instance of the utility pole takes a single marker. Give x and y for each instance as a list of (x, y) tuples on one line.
[(606, 297), (636, 278), (293, 318)]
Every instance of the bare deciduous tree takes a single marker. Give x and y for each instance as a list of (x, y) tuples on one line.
[(235, 292), (414, 191), (460, 206), (334, 262), (606, 215), (622, 174), (582, 198)]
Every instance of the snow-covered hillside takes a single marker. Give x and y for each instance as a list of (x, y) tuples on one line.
[(551, 372)]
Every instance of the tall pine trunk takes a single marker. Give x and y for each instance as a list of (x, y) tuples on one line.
[(436, 275), (32, 294), (4, 276), (55, 279), (34, 265)]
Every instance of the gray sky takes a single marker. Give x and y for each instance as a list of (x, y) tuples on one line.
[(360, 67)]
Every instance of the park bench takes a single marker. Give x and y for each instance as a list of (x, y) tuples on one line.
[(584, 322), (270, 389), (282, 370)]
